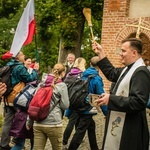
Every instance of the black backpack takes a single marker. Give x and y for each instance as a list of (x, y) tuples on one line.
[(5, 77), (78, 90)]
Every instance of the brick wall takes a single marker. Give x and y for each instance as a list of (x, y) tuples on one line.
[(115, 28)]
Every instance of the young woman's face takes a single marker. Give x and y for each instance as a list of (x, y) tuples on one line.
[(27, 63)]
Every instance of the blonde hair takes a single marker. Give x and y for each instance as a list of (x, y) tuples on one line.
[(57, 71), (80, 63)]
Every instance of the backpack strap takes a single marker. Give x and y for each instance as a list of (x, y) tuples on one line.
[(91, 76), (59, 81), (54, 106)]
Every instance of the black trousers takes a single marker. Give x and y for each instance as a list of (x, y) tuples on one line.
[(86, 122), (73, 121)]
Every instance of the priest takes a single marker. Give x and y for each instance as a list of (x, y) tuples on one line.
[(126, 123)]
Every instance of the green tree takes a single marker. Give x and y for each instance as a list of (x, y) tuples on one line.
[(61, 28), (64, 20), (8, 8)]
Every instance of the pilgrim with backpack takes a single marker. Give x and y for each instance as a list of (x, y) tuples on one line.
[(49, 126), (74, 84), (85, 117), (19, 74)]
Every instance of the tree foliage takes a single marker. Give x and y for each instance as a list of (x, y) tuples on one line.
[(8, 8), (61, 26)]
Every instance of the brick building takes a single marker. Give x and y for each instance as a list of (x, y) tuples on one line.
[(123, 19)]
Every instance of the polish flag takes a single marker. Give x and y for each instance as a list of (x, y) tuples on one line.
[(25, 29)]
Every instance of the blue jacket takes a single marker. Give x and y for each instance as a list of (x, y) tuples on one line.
[(95, 86), (20, 73)]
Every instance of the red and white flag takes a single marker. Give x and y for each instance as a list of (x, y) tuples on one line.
[(25, 29)]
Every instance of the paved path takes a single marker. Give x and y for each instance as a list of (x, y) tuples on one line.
[(99, 120)]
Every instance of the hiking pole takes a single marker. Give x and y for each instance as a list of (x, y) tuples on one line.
[(87, 14)]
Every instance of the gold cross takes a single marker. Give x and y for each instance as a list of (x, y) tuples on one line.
[(139, 26)]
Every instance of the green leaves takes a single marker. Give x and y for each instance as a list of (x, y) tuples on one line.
[(55, 20), (8, 8)]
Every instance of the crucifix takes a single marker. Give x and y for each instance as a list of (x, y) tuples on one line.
[(139, 26)]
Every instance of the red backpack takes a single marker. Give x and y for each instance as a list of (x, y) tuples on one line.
[(40, 104)]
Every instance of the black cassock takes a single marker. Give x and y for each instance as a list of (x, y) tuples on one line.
[(135, 134)]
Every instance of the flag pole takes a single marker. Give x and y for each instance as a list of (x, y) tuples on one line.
[(35, 40), (36, 50)]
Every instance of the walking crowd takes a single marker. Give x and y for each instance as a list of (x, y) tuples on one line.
[(124, 107)]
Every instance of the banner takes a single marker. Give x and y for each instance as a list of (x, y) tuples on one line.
[(25, 29)]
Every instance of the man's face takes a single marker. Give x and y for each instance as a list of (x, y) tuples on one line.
[(71, 58), (127, 54), (21, 57)]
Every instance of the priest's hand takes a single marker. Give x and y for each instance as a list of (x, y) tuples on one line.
[(97, 48), (103, 99)]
